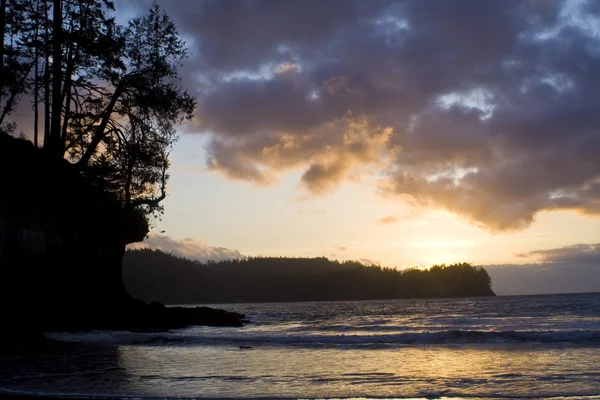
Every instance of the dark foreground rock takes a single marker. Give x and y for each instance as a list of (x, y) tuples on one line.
[(158, 317), (62, 241), (135, 316)]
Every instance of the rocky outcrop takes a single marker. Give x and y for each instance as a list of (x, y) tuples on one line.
[(62, 241)]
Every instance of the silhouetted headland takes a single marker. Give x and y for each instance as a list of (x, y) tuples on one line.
[(155, 275), (62, 241)]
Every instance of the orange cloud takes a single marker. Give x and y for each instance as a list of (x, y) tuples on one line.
[(390, 219)]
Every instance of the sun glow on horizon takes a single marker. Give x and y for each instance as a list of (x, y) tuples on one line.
[(353, 222)]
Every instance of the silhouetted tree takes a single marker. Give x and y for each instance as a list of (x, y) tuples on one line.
[(37, 21), (15, 55), (112, 94)]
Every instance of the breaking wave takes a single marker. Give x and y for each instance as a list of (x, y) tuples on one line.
[(331, 340)]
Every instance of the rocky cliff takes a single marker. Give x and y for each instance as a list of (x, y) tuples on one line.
[(62, 241)]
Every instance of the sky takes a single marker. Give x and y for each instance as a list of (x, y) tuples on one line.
[(400, 133)]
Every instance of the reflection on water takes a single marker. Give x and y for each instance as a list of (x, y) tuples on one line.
[(514, 347), (517, 371), (479, 371), (63, 368)]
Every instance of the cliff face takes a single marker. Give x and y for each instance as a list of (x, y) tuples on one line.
[(62, 240)]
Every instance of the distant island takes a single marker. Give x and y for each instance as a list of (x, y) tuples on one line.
[(153, 275)]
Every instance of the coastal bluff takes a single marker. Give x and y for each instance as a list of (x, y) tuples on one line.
[(62, 241)]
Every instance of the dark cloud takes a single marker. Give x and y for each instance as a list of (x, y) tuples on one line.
[(567, 269), (189, 248), (575, 254), (488, 109), (245, 35)]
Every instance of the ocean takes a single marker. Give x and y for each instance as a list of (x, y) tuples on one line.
[(509, 347)]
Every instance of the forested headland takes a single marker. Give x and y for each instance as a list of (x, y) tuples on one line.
[(153, 275)]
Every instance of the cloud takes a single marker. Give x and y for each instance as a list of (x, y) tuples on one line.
[(189, 248), (330, 153), (368, 262), (443, 243), (341, 248), (390, 219), (569, 269), (487, 109), (574, 254)]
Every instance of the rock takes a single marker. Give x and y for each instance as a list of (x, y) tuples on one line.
[(62, 241), (158, 317)]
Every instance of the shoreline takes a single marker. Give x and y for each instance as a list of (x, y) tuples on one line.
[(424, 397), (24, 396)]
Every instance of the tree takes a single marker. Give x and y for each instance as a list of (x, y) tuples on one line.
[(137, 128), (16, 58), (36, 74), (112, 93)]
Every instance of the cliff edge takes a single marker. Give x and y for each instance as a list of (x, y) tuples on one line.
[(62, 241)]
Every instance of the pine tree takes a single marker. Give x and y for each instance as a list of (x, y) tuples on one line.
[(111, 93)]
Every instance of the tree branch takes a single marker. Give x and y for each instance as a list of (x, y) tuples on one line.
[(100, 133), (163, 189)]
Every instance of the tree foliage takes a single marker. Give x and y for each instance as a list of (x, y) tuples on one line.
[(15, 53), (111, 93), (155, 275)]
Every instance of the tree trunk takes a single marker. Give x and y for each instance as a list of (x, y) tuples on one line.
[(100, 131), (2, 29), (56, 79), (66, 96), (46, 81), (35, 78)]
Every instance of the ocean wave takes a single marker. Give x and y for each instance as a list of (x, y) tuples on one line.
[(331, 340), (115, 337), (434, 324)]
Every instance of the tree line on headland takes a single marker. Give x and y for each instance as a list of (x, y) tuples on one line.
[(153, 275)]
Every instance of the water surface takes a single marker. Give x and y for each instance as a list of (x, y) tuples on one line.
[(483, 348)]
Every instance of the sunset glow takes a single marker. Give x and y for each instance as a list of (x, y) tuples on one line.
[(390, 134), (300, 199)]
